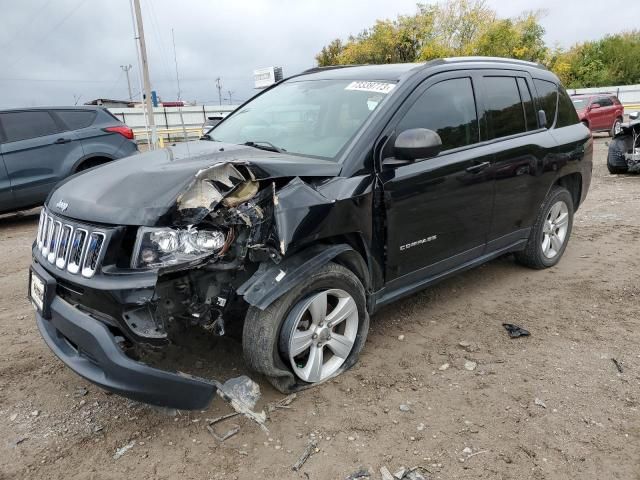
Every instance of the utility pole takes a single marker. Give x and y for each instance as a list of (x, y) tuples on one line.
[(175, 59), (230, 92), (144, 66), (219, 87), (126, 69)]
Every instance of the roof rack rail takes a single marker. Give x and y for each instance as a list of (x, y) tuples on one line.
[(494, 59), (330, 67)]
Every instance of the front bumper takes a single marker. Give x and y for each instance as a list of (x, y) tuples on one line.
[(90, 349)]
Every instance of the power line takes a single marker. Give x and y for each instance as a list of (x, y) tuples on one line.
[(31, 20), (55, 27)]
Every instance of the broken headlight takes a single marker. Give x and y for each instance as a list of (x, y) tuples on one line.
[(160, 247)]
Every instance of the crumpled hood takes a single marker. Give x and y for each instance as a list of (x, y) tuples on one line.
[(141, 189)]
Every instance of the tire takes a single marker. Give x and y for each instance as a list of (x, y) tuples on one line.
[(615, 128), (534, 255), (90, 163), (265, 331), (615, 156)]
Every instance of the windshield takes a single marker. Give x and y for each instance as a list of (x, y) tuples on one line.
[(580, 103), (314, 117)]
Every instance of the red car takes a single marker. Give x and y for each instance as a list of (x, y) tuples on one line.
[(600, 112)]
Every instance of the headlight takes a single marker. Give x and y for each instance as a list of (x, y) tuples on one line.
[(159, 247)]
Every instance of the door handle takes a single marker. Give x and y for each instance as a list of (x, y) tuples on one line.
[(60, 141), (478, 168)]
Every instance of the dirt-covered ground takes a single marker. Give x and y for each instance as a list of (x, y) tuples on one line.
[(551, 406)]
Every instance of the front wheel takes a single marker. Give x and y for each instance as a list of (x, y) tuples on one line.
[(310, 334), (551, 231)]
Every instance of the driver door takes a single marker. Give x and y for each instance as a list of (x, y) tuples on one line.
[(438, 210)]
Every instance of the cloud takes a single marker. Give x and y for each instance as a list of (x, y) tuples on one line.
[(54, 50)]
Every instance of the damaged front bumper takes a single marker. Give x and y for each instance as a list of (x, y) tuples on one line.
[(90, 349)]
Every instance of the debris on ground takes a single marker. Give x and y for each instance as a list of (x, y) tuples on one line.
[(540, 403), (242, 394), (617, 364), (362, 473), (13, 417), (404, 473), (80, 392), (471, 455), (405, 408), (20, 440), (284, 403), (470, 365), (228, 434), (515, 331), (443, 367), (386, 474), (401, 337), (35, 413), (312, 447), (121, 451)]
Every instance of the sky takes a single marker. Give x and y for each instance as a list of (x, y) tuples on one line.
[(59, 52)]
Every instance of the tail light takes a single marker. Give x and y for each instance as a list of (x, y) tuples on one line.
[(123, 130)]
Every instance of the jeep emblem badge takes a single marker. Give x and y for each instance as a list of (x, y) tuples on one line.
[(62, 205)]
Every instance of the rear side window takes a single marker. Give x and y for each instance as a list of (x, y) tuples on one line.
[(504, 109), (529, 109), (547, 99), (449, 109), (604, 101), (76, 119), (23, 125), (567, 114)]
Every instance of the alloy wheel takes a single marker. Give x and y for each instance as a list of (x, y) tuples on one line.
[(320, 333), (554, 231)]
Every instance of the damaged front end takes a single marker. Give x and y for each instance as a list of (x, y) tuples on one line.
[(148, 285)]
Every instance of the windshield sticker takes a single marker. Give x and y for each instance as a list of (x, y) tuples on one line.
[(378, 87)]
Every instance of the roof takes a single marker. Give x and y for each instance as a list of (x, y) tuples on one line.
[(57, 107), (396, 71)]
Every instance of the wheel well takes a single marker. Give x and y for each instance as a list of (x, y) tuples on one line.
[(91, 162), (573, 183), (356, 260)]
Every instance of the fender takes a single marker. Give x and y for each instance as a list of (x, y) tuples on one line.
[(271, 281)]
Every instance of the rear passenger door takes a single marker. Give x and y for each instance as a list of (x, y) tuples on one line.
[(34, 150), (519, 149), (6, 195)]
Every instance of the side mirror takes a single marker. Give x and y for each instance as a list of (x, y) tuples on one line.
[(417, 143), (542, 118), (594, 106), (634, 115)]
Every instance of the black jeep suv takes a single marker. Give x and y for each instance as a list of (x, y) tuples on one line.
[(323, 198)]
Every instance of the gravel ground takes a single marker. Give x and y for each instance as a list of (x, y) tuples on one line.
[(550, 406)]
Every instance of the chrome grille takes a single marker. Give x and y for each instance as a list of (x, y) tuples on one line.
[(72, 247)]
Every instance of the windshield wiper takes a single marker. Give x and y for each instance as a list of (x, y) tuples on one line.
[(262, 145)]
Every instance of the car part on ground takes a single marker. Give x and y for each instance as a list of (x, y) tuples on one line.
[(624, 150)]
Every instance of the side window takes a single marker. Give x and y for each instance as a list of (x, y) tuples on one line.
[(567, 114), (76, 119), (504, 109), (547, 99), (529, 109), (449, 109), (604, 102), (24, 125)]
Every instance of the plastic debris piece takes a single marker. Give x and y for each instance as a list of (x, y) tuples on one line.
[(515, 331)]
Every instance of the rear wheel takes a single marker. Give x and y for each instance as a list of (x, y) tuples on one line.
[(90, 163), (550, 234), (312, 333)]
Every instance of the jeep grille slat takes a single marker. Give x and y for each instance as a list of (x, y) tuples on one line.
[(70, 246)]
